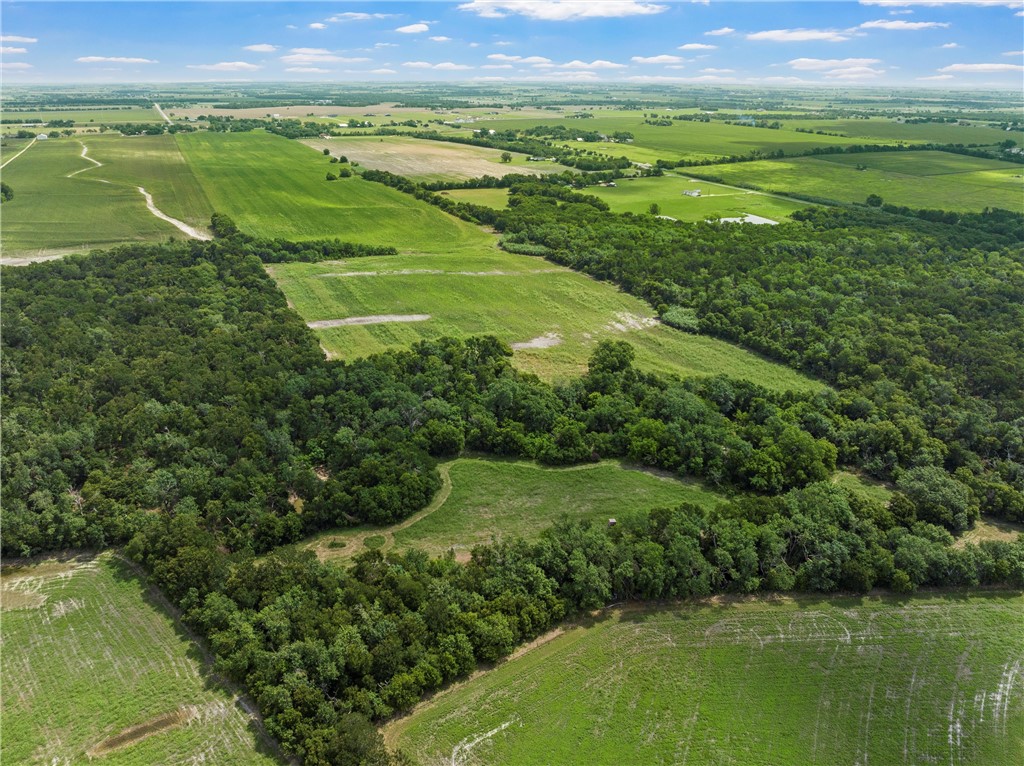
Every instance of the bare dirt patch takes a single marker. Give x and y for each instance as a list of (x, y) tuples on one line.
[(373, 319), (134, 734), (626, 322), (547, 340)]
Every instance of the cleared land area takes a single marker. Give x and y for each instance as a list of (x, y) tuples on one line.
[(916, 179), (64, 200), (481, 500), (635, 195), (275, 187), (425, 160), (496, 198), (559, 314), (93, 670), (802, 682)]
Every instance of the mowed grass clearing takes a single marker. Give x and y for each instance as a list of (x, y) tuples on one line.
[(64, 201), (425, 160), (781, 682), (636, 195), (275, 187), (496, 198), (558, 314), (484, 500), (915, 179), (87, 658)]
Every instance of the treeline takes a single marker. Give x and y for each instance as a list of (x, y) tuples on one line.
[(514, 142)]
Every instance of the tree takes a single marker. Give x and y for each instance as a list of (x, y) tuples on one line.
[(874, 200), (654, 209), (6, 193), (327, 152), (506, 156)]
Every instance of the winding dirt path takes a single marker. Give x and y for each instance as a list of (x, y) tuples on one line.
[(190, 230), (85, 156), (12, 159)]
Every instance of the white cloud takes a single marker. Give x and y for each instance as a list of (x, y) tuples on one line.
[(503, 43), (350, 16), (720, 32), (899, 13), (413, 29), (697, 47), (561, 10), (937, 77), (950, 45), (317, 25), (17, 39), (113, 60), (226, 66), (312, 51), (385, 45), (598, 64), (657, 59), (712, 70), (800, 35), (418, 65), (261, 48), (441, 39), (854, 73), (982, 68), (444, 66), (14, 65), (937, 3), (1013, 53), (535, 60), (383, 71), (813, 65), (10, 49), (503, 57), (300, 56), (497, 66), (474, 45), (899, 24), (308, 69)]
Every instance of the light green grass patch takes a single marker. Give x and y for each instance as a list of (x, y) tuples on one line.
[(519, 299), (496, 198), (915, 179), (274, 187), (485, 500), (89, 656), (889, 130), (872, 489), (635, 195), (990, 528), (782, 682)]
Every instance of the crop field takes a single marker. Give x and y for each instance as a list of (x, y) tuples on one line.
[(93, 671), (916, 179), (496, 198), (559, 316), (481, 500), (425, 160), (635, 195), (769, 682), (926, 132), (84, 118), (275, 187), (63, 201)]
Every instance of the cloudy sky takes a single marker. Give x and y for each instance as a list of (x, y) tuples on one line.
[(954, 43)]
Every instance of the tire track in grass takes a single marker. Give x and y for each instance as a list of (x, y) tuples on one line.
[(12, 159)]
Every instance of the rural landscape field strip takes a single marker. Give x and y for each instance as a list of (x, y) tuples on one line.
[(102, 672), (806, 680)]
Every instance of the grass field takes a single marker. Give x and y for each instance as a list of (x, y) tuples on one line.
[(635, 195), (784, 682), (560, 313), (93, 671), (64, 201), (869, 488), (883, 129), (425, 160), (916, 179), (481, 500), (990, 528), (275, 187), (84, 118), (496, 198)]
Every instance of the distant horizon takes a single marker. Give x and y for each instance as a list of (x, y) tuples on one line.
[(936, 44)]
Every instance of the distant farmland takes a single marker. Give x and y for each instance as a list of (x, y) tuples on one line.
[(916, 179), (93, 671), (788, 682)]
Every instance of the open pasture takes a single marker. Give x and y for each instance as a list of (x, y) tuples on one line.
[(274, 187), (636, 195), (85, 117), (94, 671), (558, 318), (780, 682), (425, 160), (484, 500), (891, 131), (496, 198), (64, 201), (916, 179)]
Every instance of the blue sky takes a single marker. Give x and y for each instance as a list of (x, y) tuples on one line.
[(942, 43)]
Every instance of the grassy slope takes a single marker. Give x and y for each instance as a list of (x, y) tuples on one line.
[(918, 179), (50, 210), (547, 299), (496, 198), (636, 195), (502, 499), (933, 679), (275, 187), (86, 656)]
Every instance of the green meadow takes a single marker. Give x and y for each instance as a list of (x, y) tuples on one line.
[(484, 500), (95, 670), (84, 118), (915, 179), (496, 198), (556, 315), (891, 131), (636, 195), (807, 681)]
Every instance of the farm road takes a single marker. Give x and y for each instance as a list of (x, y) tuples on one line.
[(12, 159)]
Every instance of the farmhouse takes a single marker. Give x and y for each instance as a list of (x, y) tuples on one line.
[(42, 137), (691, 193)]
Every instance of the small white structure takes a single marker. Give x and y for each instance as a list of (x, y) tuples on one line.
[(750, 218), (691, 193), (42, 137), (612, 522)]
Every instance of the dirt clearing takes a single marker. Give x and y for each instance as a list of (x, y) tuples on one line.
[(374, 319)]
